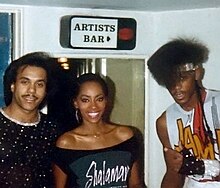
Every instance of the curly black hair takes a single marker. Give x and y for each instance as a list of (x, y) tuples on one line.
[(165, 63), (37, 59)]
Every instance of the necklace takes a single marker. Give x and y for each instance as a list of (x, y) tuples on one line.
[(96, 135), (19, 122)]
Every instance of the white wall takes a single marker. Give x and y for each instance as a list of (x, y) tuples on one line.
[(203, 24), (42, 27)]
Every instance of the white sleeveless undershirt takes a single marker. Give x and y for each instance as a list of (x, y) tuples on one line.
[(180, 128)]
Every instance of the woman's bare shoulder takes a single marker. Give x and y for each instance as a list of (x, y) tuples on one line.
[(66, 140), (124, 132)]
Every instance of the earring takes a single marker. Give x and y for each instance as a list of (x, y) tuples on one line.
[(77, 115)]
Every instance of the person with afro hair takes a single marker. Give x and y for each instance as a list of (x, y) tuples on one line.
[(188, 129)]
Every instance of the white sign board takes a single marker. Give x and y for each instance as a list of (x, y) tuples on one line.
[(93, 32)]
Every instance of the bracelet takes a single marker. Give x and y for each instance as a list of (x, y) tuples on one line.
[(191, 165)]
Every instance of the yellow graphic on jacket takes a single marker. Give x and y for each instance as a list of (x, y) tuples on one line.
[(191, 141)]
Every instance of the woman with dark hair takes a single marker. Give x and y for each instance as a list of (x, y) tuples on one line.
[(96, 153)]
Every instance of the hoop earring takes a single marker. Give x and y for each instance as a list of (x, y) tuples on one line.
[(77, 115)]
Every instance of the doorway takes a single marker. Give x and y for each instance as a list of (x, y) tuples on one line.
[(125, 78)]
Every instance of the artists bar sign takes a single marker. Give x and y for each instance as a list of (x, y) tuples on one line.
[(83, 32)]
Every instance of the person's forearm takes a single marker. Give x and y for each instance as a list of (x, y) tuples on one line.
[(138, 186), (172, 180)]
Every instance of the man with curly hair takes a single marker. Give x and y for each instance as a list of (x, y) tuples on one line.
[(189, 129), (27, 136)]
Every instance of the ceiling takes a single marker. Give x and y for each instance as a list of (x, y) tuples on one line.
[(133, 5)]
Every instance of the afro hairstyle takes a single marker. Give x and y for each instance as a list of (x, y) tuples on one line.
[(165, 63)]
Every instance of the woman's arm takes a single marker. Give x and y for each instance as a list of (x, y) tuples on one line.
[(60, 177), (136, 179)]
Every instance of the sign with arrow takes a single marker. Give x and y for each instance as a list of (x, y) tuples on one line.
[(93, 32), (98, 32)]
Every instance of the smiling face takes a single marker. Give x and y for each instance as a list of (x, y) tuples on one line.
[(29, 89), (91, 101)]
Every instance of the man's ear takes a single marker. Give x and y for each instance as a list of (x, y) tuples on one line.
[(199, 73)]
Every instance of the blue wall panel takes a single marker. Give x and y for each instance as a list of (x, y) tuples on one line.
[(5, 47)]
